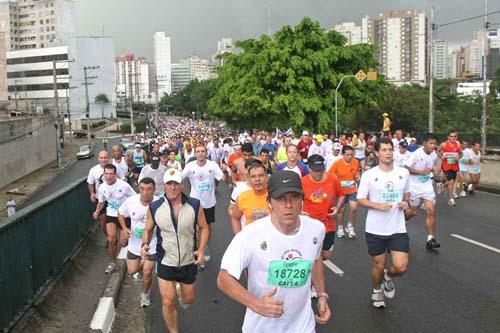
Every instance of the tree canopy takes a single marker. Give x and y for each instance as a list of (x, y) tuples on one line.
[(289, 79)]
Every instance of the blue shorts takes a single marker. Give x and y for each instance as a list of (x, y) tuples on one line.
[(351, 197)]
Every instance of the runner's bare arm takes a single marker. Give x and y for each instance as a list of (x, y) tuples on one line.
[(235, 218), (318, 280), (374, 205), (204, 230), (147, 234), (121, 220), (92, 194)]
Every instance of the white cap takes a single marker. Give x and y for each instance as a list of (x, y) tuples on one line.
[(337, 146), (305, 133), (137, 145), (172, 175)]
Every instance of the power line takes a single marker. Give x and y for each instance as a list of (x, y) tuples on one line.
[(468, 19)]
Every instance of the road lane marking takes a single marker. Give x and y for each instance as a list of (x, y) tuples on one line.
[(465, 239), (334, 268)]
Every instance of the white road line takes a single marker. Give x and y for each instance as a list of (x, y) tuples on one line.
[(491, 248), (334, 268)]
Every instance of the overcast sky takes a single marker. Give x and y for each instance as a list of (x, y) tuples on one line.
[(195, 26)]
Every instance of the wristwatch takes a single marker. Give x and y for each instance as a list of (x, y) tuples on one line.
[(323, 295), (144, 244)]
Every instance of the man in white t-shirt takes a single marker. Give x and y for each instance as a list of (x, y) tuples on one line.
[(156, 171), (135, 208), (202, 175), (334, 156), (282, 256), (401, 154), (119, 162), (113, 192), (421, 164), (385, 191), (94, 179)]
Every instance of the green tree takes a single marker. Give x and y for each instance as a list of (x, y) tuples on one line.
[(290, 80), (102, 99)]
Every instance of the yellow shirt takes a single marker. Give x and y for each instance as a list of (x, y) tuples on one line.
[(281, 155), (253, 206), (387, 124)]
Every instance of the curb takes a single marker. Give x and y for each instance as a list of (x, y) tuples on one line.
[(102, 320), (489, 189)]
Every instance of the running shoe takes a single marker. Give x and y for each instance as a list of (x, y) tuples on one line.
[(455, 196), (340, 232), (388, 286), (451, 202), (469, 188), (432, 244), (111, 268), (137, 277), (439, 187), (462, 194), (378, 299), (145, 301), (350, 233)]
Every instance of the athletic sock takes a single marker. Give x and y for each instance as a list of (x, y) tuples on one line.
[(376, 290), (429, 237), (350, 226)]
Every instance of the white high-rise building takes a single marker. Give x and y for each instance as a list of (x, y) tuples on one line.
[(30, 24), (192, 68), (132, 77), (474, 56), (350, 31), (400, 40), (441, 60), (225, 45), (494, 38), (163, 61), (181, 75)]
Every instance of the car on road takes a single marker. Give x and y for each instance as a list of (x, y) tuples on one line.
[(85, 152), (82, 135), (127, 144)]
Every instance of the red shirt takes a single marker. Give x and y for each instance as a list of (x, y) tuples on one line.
[(451, 153), (320, 197), (304, 145)]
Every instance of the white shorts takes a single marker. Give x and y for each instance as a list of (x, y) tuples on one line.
[(416, 197)]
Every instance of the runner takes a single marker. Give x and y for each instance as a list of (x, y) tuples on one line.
[(94, 179), (119, 162), (155, 171), (401, 155), (202, 175), (172, 161), (450, 152), (463, 169), (293, 163), (267, 249), (360, 150), (474, 154), (347, 171), (135, 208), (316, 148), (252, 204), (238, 170), (176, 218), (140, 158), (268, 164), (334, 156), (215, 152), (398, 137), (303, 145), (114, 192), (421, 164), (385, 191), (323, 197)]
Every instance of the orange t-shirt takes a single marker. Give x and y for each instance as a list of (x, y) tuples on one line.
[(230, 162), (346, 173), (320, 197), (253, 206)]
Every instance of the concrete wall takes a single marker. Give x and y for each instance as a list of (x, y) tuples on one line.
[(490, 172), (26, 145)]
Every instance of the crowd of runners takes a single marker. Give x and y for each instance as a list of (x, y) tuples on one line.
[(291, 196)]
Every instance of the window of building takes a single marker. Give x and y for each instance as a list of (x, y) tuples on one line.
[(53, 28), (41, 45), (47, 29), (41, 21), (51, 12), (51, 4), (47, 5), (47, 21)]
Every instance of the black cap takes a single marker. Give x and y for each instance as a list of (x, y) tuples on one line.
[(316, 162), (284, 181), (403, 144), (155, 159)]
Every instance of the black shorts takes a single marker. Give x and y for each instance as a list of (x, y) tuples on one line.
[(209, 214), (450, 174), (377, 244), (131, 256), (114, 219), (137, 169), (328, 242), (184, 274)]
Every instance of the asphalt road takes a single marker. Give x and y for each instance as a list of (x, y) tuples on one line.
[(454, 289)]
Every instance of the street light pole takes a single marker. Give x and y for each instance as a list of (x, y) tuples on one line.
[(484, 118), (336, 111), (431, 71)]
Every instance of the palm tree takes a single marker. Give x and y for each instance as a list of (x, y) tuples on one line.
[(102, 99)]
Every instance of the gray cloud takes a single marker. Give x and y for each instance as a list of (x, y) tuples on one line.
[(195, 26)]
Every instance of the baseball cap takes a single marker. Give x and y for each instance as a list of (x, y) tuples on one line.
[(319, 138), (316, 162), (385, 115), (305, 133), (155, 159), (403, 144), (337, 146), (284, 181), (172, 175)]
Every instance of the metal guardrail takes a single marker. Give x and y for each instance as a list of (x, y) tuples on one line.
[(34, 245)]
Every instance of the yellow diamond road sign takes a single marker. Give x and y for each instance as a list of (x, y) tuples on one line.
[(360, 76)]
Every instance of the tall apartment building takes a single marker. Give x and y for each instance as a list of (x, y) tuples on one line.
[(474, 54), (457, 63), (350, 31), (441, 61), (132, 77), (30, 24), (192, 68), (400, 38), (494, 38), (181, 75), (3, 77), (225, 45), (163, 60)]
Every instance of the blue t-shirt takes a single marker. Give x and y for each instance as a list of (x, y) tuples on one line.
[(271, 148)]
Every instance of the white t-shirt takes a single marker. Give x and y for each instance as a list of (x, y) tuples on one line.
[(475, 167), (96, 177), (420, 160), (175, 164), (156, 175), (400, 159), (240, 188), (359, 151), (396, 142), (315, 149), (464, 160), (121, 168), (379, 186), (133, 208), (202, 179), (265, 251), (115, 195), (295, 169), (327, 145)]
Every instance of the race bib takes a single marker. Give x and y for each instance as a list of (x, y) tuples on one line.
[(203, 187), (138, 232), (463, 160), (390, 196), (475, 169), (113, 206), (423, 178), (289, 273), (451, 160), (347, 183)]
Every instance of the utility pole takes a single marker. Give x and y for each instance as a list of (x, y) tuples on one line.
[(69, 113), (87, 108), (431, 70), (484, 118), (131, 100), (57, 123)]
